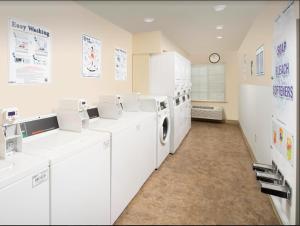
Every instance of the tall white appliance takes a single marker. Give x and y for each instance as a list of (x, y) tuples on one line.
[(170, 75)]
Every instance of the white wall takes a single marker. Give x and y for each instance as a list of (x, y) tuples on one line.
[(255, 105)]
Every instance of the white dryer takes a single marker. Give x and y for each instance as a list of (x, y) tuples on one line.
[(24, 190), (79, 170), (132, 153), (159, 105)]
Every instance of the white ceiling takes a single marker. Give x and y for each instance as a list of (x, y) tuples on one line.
[(189, 24)]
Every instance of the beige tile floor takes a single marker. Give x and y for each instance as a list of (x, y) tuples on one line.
[(209, 180)]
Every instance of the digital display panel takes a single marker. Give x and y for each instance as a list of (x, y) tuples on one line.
[(11, 113)]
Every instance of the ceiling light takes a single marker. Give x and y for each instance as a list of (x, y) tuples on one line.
[(219, 27), (148, 20), (218, 8), (219, 37)]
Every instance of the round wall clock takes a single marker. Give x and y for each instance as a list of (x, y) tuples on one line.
[(214, 58)]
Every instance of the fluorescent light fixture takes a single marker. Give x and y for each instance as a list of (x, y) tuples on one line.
[(148, 20), (219, 37), (219, 27), (219, 8)]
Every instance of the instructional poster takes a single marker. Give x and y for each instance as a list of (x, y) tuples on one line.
[(284, 86), (91, 57), (120, 64), (29, 53)]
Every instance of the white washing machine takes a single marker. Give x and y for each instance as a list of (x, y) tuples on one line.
[(159, 105), (24, 190), (132, 153), (79, 165)]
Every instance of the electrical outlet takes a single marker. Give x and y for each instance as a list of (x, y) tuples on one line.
[(274, 165), (255, 137)]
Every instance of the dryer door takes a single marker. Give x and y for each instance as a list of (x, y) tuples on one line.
[(164, 129)]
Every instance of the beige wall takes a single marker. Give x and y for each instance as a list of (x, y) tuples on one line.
[(154, 42), (67, 21), (230, 60), (145, 44), (260, 33), (140, 73), (167, 45)]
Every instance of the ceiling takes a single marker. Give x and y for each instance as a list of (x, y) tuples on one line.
[(191, 25)]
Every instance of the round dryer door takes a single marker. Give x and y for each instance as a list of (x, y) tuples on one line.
[(164, 129)]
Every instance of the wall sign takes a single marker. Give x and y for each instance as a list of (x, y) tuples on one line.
[(91, 57), (120, 64), (284, 84), (29, 53), (284, 107)]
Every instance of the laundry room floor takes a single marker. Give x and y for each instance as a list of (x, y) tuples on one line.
[(209, 180)]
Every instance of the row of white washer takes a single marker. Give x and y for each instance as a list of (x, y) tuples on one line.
[(65, 177)]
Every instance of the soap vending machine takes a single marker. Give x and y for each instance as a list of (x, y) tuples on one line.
[(11, 135)]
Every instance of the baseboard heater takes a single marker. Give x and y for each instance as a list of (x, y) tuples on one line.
[(208, 112)]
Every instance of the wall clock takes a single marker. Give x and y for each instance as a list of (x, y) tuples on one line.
[(214, 58)]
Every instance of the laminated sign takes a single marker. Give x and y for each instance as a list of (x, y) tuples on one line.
[(29, 53), (120, 64), (91, 57), (284, 83)]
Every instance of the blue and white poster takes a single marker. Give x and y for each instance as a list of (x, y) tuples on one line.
[(120, 64), (29, 53), (284, 107), (91, 57), (284, 83)]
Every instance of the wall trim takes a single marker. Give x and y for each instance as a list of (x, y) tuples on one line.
[(251, 152), (232, 122)]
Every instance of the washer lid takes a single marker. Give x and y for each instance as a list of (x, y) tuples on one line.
[(127, 119), (18, 166), (58, 144)]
